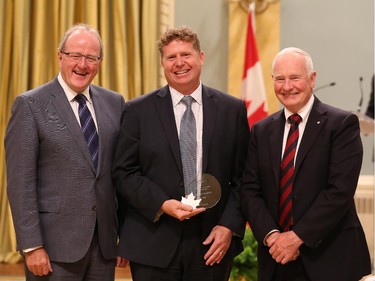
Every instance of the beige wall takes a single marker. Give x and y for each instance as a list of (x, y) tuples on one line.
[(338, 34), (221, 26)]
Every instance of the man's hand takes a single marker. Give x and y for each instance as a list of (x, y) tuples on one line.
[(180, 211), (121, 262), (284, 247), (38, 262), (220, 237), (271, 238)]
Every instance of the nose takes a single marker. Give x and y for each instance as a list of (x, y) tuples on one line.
[(82, 61), (179, 61), (287, 84)]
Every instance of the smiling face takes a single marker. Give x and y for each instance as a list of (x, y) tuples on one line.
[(293, 80), (182, 66), (79, 74)]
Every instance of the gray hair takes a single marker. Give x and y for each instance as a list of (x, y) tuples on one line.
[(80, 27)]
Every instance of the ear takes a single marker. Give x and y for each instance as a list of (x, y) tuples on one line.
[(313, 78), (201, 55), (59, 58)]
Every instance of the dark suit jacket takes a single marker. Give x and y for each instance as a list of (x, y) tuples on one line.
[(55, 195), (326, 174), (148, 171), (370, 106)]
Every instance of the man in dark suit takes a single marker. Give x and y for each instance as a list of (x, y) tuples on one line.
[(61, 195), (163, 238), (370, 106), (319, 237)]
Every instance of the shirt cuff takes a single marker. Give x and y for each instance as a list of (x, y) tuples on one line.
[(31, 249), (268, 234)]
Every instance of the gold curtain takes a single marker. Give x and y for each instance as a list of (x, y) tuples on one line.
[(31, 31), (268, 43)]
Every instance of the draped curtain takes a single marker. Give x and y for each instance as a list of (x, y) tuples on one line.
[(30, 33), (32, 29)]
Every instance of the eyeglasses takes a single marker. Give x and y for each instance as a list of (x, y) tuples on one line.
[(77, 57)]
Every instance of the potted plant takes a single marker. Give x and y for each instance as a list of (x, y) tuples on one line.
[(245, 266)]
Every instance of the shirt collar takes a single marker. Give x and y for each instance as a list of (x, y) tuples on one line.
[(177, 96), (70, 94), (304, 112)]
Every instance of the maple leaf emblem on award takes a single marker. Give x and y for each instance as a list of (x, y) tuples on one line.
[(190, 200)]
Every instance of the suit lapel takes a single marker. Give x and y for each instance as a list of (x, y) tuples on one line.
[(209, 119), (102, 128), (62, 106), (314, 125), (276, 133), (164, 108)]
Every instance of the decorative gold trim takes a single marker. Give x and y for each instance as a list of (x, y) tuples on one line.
[(260, 5)]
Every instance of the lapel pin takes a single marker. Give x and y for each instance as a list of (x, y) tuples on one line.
[(318, 122)]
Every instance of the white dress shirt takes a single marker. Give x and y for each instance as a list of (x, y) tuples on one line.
[(70, 94), (304, 113), (197, 108)]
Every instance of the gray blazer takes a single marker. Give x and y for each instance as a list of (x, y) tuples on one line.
[(55, 195)]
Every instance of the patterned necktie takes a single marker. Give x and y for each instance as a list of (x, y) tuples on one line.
[(88, 128), (287, 174), (188, 147)]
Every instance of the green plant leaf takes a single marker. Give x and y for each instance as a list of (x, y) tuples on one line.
[(245, 267)]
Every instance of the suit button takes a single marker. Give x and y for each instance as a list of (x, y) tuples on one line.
[(181, 183), (93, 208)]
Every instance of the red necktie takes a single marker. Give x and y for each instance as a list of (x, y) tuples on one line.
[(287, 174)]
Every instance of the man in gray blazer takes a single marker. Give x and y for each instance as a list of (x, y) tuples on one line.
[(61, 195)]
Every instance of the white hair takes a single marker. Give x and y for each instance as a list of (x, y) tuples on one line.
[(291, 50)]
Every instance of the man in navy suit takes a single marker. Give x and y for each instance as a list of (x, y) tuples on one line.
[(323, 238), (163, 238), (62, 197)]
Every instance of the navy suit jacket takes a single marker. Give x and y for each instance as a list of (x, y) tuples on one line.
[(148, 171), (327, 168)]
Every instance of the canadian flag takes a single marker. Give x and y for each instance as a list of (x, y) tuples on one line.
[(252, 86)]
